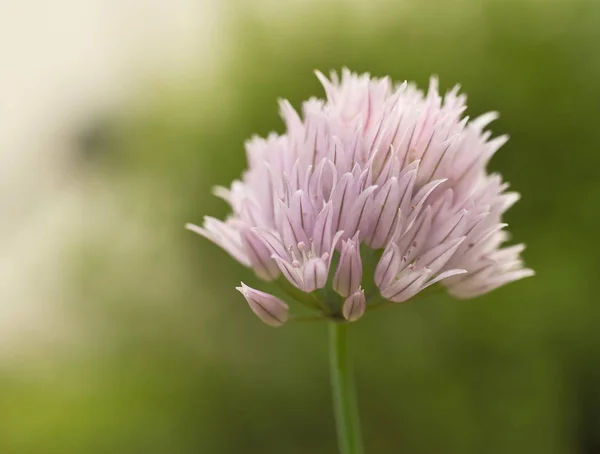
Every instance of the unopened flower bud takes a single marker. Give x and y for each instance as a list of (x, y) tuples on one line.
[(349, 271), (354, 306), (270, 309)]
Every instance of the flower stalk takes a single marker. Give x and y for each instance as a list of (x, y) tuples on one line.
[(344, 398)]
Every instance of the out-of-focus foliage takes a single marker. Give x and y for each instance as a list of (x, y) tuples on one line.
[(172, 360)]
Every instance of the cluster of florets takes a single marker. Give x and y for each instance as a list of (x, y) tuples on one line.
[(378, 167)]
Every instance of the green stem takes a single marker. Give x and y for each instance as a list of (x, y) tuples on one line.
[(344, 400)]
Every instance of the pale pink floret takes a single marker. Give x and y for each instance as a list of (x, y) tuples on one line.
[(377, 164)]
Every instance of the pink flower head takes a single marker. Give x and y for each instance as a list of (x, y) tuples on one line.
[(380, 165)]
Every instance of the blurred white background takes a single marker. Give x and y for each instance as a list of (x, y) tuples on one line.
[(63, 61)]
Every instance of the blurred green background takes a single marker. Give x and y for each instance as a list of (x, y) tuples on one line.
[(171, 360)]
